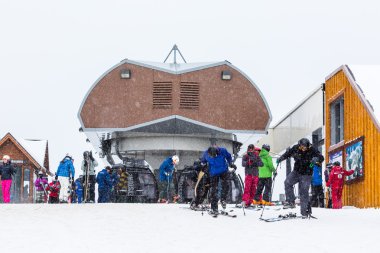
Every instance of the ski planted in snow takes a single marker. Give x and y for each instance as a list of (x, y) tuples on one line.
[(289, 216)]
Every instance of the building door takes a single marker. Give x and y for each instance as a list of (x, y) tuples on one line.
[(26, 186), (16, 186)]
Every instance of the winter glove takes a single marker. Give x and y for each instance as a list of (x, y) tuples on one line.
[(233, 167)]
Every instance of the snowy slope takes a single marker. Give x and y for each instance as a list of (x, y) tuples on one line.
[(169, 228)]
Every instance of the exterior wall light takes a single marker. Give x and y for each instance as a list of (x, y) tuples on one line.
[(226, 75), (125, 74)]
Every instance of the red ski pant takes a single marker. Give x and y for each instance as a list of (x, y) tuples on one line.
[(336, 198), (250, 186), (6, 187)]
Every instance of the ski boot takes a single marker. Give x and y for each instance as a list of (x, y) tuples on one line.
[(224, 204), (257, 203), (267, 203), (288, 205)]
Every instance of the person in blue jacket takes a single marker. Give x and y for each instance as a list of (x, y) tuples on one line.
[(317, 193), (66, 174), (166, 178), (218, 159), (104, 184)]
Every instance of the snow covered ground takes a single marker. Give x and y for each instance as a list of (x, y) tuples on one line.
[(171, 228)]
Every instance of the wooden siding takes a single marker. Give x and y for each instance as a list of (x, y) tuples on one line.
[(357, 123)]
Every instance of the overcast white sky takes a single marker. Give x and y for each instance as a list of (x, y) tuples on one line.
[(52, 52)]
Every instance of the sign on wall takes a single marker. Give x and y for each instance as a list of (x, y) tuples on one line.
[(351, 157), (336, 156), (354, 159)]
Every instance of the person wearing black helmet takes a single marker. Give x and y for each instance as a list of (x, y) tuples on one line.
[(218, 159), (305, 156), (89, 176)]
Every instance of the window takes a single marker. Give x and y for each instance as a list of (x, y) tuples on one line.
[(336, 120)]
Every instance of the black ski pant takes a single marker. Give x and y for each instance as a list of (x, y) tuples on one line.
[(304, 182), (214, 185), (92, 180), (267, 184), (317, 196)]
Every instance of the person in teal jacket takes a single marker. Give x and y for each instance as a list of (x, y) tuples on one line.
[(265, 176)]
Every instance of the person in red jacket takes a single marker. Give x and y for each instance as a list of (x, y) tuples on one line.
[(336, 182), (54, 187)]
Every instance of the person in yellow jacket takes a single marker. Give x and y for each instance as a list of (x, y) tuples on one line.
[(265, 177)]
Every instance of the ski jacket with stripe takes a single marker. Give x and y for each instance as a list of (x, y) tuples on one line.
[(266, 170), (40, 183), (302, 159), (317, 175), (78, 185), (66, 168), (219, 164), (91, 167), (104, 180), (336, 178), (166, 170), (7, 171)]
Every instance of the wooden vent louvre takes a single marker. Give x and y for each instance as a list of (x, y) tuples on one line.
[(189, 95), (162, 95)]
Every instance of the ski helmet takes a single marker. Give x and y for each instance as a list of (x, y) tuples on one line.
[(266, 147), (40, 172), (86, 154), (304, 142), (336, 163), (6, 157), (175, 159)]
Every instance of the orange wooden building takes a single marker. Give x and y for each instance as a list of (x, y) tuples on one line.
[(352, 130)]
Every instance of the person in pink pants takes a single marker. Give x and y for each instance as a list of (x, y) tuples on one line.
[(251, 161), (6, 172)]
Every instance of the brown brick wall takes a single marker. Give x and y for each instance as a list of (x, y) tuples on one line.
[(121, 103)]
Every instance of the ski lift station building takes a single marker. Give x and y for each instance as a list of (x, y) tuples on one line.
[(149, 110)]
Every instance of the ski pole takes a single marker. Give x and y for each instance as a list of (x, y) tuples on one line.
[(167, 189), (270, 194)]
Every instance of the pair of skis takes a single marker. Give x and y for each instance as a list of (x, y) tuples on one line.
[(289, 216), (222, 213)]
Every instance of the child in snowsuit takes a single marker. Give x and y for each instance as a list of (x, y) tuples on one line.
[(202, 185), (122, 185), (41, 184), (265, 177), (336, 182), (79, 189), (54, 187), (251, 161), (317, 194)]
